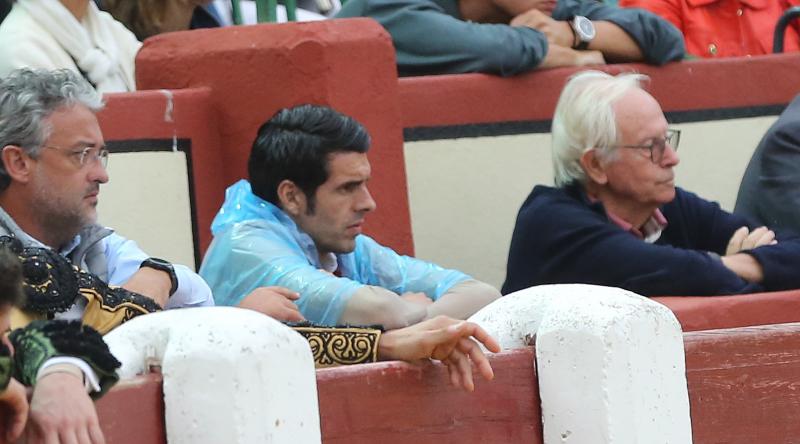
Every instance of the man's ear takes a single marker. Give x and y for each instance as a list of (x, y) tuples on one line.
[(16, 163), (291, 197), (594, 167)]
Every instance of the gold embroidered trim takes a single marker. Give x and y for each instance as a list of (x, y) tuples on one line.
[(333, 346)]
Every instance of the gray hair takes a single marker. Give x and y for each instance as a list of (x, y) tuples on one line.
[(28, 97), (584, 119)]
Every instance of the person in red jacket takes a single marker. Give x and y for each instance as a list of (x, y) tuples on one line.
[(725, 28)]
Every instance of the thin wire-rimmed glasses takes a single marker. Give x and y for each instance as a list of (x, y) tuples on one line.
[(657, 146), (85, 155)]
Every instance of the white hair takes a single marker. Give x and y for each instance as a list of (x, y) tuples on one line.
[(584, 119)]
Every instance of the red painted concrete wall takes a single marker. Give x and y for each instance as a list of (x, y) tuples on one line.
[(708, 313), (396, 402), (693, 85), (133, 412), (743, 385)]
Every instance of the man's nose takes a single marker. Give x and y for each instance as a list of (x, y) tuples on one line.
[(98, 173), (366, 203), (670, 158)]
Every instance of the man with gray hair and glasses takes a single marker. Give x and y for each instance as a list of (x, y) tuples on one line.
[(53, 163), (616, 218)]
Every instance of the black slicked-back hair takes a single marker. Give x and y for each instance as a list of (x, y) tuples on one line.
[(294, 145)]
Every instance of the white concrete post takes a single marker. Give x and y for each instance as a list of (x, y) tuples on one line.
[(611, 363), (230, 375)]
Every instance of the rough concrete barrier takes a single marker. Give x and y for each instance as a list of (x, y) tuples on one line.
[(230, 375), (610, 362)]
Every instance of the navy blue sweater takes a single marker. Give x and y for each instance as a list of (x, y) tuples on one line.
[(561, 237)]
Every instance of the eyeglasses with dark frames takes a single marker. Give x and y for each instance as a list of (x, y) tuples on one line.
[(657, 146), (86, 155)]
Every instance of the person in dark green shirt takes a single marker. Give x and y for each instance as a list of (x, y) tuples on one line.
[(509, 37)]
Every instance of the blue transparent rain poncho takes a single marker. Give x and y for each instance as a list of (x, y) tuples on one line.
[(258, 245)]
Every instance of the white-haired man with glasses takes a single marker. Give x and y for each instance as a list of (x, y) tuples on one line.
[(53, 163), (616, 218)]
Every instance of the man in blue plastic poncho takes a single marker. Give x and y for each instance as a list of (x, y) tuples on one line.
[(297, 224)]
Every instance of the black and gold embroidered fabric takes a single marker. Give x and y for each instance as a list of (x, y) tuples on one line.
[(49, 281), (52, 283), (42, 340), (344, 345), (108, 307), (10, 278)]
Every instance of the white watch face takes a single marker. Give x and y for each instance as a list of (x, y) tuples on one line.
[(584, 28)]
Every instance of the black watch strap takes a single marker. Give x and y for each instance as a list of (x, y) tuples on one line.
[(165, 266)]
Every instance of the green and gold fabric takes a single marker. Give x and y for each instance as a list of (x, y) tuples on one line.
[(42, 340)]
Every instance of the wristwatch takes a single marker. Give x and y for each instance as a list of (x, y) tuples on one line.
[(584, 31), (162, 265)]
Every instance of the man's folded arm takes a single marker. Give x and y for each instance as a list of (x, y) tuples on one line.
[(657, 39), (775, 266), (370, 304), (596, 252), (454, 293), (432, 42), (663, 270), (464, 299)]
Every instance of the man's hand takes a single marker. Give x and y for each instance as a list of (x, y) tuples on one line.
[(14, 401), (275, 302), (453, 342), (152, 283), (62, 412), (583, 58), (417, 298), (558, 32), (559, 56), (611, 42), (743, 239), (745, 266)]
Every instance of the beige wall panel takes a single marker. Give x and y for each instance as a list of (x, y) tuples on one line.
[(714, 156), (147, 200), (464, 194)]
